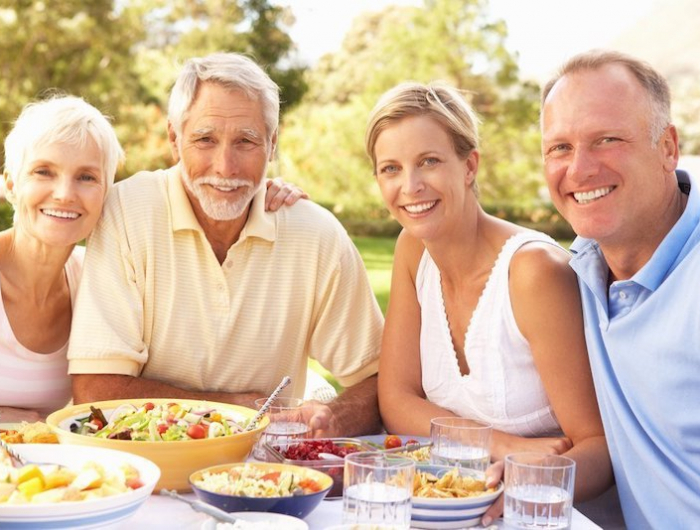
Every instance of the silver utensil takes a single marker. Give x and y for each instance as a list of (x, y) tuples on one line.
[(202, 507), (16, 459), (285, 381)]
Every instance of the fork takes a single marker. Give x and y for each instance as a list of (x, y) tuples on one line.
[(19, 461), (16, 459)]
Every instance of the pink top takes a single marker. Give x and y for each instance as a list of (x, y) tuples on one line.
[(37, 381)]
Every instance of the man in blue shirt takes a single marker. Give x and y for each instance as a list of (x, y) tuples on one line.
[(610, 156)]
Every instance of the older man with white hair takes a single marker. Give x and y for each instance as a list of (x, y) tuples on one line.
[(192, 290)]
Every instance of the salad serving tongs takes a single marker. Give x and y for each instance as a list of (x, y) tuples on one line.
[(202, 507)]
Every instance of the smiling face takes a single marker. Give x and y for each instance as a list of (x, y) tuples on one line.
[(60, 193), (422, 180), (604, 175), (224, 150)]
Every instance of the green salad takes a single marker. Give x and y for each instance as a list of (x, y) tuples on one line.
[(164, 422)]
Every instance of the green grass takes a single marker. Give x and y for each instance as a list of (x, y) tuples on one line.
[(378, 255)]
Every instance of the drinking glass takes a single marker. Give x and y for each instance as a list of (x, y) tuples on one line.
[(460, 442), (377, 489), (539, 490), (286, 424)]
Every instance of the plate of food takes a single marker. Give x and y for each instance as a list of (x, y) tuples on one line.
[(447, 497), (72, 487), (262, 487), (27, 433), (179, 435)]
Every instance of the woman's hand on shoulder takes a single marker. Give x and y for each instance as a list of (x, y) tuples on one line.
[(281, 193)]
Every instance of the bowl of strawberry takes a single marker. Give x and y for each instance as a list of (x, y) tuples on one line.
[(323, 454)]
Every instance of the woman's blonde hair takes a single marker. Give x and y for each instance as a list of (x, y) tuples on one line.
[(443, 103)]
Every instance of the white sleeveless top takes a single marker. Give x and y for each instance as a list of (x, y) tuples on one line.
[(37, 381), (503, 386)]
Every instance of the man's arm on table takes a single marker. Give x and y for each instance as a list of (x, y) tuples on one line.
[(354, 412), (88, 388)]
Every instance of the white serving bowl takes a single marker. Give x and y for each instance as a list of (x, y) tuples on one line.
[(451, 513), (93, 513)]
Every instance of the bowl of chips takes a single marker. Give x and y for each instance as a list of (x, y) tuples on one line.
[(449, 497)]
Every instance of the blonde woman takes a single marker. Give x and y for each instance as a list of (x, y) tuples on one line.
[(484, 318)]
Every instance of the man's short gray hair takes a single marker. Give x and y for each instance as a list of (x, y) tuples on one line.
[(651, 80), (231, 70)]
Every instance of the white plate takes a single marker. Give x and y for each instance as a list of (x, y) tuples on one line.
[(92, 513), (276, 520)]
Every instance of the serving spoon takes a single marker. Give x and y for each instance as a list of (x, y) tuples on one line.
[(285, 381), (202, 507)]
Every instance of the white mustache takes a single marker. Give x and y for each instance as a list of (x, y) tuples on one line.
[(223, 182)]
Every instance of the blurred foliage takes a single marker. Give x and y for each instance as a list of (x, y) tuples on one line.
[(457, 41), (123, 55)]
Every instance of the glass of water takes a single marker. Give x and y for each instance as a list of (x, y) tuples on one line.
[(539, 491), (460, 442), (286, 424), (377, 489)]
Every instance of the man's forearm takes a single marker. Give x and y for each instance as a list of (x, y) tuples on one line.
[(100, 387), (356, 410)]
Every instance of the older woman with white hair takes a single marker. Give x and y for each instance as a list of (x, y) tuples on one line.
[(60, 160)]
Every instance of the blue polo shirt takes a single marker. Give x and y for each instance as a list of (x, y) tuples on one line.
[(643, 338)]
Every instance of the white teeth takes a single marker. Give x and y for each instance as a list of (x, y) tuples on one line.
[(419, 208), (584, 197), (61, 214)]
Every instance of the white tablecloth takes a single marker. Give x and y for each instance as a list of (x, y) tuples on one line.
[(165, 513)]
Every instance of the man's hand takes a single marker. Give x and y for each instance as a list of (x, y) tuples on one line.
[(280, 192), (319, 418)]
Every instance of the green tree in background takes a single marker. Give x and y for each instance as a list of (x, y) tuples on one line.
[(123, 56), (452, 40)]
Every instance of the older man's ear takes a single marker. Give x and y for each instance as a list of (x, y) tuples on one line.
[(172, 139)]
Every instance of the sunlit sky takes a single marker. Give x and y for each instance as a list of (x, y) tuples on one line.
[(542, 32)]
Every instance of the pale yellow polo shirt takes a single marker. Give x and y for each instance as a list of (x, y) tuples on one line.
[(154, 301)]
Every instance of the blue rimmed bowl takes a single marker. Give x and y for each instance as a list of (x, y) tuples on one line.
[(92, 513), (295, 505), (450, 513)]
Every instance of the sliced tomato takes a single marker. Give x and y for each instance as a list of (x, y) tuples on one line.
[(309, 485), (274, 476)]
